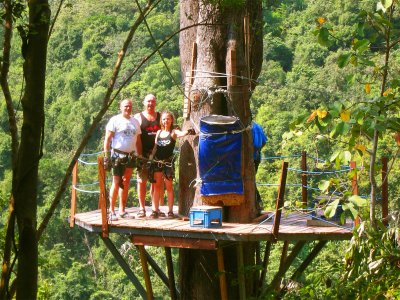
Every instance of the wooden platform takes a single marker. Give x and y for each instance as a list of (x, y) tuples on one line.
[(178, 233)]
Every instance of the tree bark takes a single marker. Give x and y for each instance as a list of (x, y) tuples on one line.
[(34, 50), (215, 45)]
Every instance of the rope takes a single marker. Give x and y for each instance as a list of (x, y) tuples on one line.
[(86, 163)]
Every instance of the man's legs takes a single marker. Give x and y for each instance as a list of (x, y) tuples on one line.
[(123, 193), (114, 193)]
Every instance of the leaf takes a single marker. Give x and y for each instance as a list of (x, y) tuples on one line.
[(360, 147), (345, 115), (324, 185), (367, 88), (350, 78), (388, 92), (312, 116), (344, 59), (331, 208), (379, 6), (361, 45), (357, 200), (346, 156), (321, 21), (383, 5), (334, 156), (323, 37), (321, 113), (375, 264)]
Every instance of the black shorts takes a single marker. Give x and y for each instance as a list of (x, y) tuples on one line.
[(167, 167), (120, 162)]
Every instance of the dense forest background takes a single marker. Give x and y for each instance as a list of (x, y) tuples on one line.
[(299, 75)]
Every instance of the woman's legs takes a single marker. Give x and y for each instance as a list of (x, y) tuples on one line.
[(170, 194), (157, 186)]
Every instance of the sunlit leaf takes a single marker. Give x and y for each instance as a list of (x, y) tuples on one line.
[(379, 6), (387, 92), (345, 115), (312, 116), (321, 21), (324, 185), (321, 113), (367, 88), (357, 200), (360, 147), (334, 156), (383, 5), (331, 208), (346, 156), (375, 264)]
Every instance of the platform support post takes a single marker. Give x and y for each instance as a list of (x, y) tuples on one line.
[(310, 257), (222, 275), (125, 267), (103, 195), (146, 273), (283, 269), (280, 200), (285, 248), (241, 277), (171, 277)]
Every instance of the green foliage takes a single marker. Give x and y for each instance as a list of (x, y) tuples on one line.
[(320, 67), (373, 257)]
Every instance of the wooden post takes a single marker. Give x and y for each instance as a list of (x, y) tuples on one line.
[(267, 253), (285, 248), (171, 277), (279, 201), (146, 273), (241, 277), (103, 195), (124, 265), (304, 179), (274, 285), (222, 276), (385, 191), (73, 195), (354, 188)]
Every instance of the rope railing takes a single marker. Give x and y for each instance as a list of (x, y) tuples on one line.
[(83, 187)]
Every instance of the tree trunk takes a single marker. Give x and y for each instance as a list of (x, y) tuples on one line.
[(217, 47), (25, 182)]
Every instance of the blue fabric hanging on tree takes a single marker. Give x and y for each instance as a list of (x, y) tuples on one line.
[(220, 161)]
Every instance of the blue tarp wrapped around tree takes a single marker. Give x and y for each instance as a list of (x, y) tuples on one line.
[(220, 161)]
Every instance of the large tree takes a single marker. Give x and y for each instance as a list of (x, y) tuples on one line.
[(27, 154), (227, 46)]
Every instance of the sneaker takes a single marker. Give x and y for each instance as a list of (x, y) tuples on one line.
[(113, 217)]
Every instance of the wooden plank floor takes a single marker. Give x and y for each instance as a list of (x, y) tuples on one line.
[(293, 227)]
